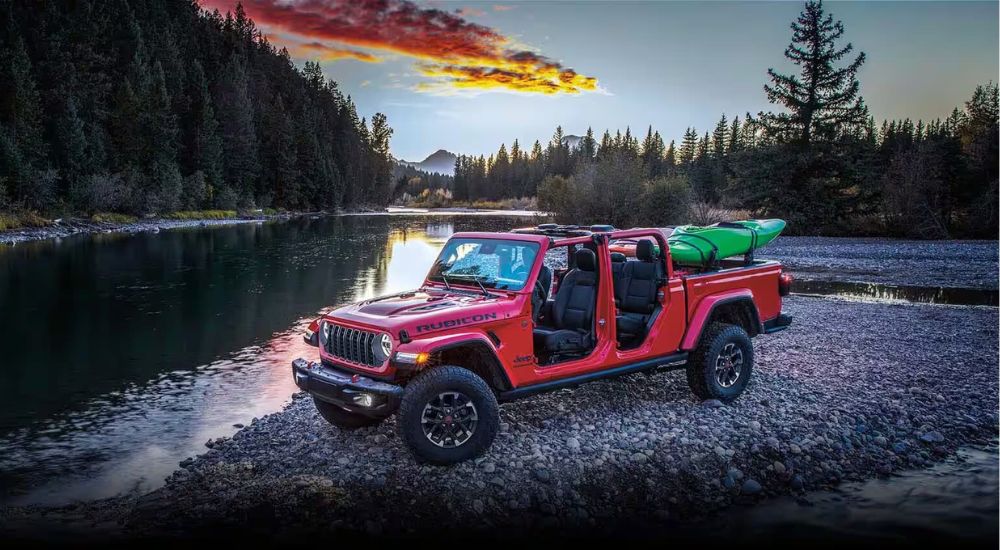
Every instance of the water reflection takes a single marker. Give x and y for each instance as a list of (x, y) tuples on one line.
[(118, 349)]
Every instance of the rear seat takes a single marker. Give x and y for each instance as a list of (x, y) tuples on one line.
[(617, 274), (639, 284)]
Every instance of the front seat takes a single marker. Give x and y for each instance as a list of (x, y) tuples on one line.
[(540, 294), (573, 310), (640, 283)]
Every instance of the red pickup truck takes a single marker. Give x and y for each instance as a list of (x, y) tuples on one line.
[(506, 315)]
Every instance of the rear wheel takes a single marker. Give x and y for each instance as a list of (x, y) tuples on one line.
[(448, 414), (720, 367), (343, 418)]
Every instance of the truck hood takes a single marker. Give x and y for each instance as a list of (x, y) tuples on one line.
[(420, 312)]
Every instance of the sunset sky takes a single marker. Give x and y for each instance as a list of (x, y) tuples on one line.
[(465, 76)]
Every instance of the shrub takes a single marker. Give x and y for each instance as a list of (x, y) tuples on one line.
[(666, 201), (20, 219), (112, 217), (100, 192), (704, 213), (202, 215)]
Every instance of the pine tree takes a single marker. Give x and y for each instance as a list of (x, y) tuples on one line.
[(72, 148), (237, 129), (652, 153), (20, 120), (735, 144), (689, 146), (500, 174), (588, 146), (160, 125), (558, 155), (381, 158), (205, 147), (670, 160), (606, 144), (280, 168), (719, 138), (823, 100)]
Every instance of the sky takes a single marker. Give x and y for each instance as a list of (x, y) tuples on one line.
[(466, 76)]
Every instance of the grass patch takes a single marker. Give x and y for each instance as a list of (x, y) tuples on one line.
[(18, 220), (437, 200), (202, 215), (112, 217)]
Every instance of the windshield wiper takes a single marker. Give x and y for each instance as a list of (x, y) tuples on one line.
[(482, 287), (445, 280)]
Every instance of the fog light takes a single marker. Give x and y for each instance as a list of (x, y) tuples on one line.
[(412, 358), (364, 399)]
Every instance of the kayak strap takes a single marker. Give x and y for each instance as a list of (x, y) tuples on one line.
[(712, 255), (748, 256)]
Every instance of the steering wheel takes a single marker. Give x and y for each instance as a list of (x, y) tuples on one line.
[(537, 300)]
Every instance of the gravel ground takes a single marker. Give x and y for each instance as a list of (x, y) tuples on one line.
[(970, 264), (852, 391)]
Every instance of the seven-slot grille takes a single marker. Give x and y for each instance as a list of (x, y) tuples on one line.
[(349, 344)]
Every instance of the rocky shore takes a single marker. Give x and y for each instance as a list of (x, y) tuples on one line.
[(955, 264), (852, 391), (67, 228), (62, 228)]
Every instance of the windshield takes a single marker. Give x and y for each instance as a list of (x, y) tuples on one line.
[(493, 263)]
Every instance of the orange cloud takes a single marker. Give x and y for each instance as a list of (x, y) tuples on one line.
[(451, 50), (470, 12), (544, 81), (323, 52), (502, 7)]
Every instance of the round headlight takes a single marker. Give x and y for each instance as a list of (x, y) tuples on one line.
[(324, 333), (386, 344)]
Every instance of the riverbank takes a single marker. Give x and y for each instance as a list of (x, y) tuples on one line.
[(61, 228), (854, 391)]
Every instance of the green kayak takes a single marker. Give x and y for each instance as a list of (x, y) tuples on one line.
[(694, 245)]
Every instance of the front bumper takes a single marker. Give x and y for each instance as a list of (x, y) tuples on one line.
[(353, 392)]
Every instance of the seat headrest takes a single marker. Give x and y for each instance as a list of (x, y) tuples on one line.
[(586, 260), (618, 257), (644, 250)]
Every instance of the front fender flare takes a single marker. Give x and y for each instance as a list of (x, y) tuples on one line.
[(478, 340)]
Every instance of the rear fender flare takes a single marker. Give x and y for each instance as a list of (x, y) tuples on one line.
[(708, 305)]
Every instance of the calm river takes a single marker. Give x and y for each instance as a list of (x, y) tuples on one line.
[(123, 354)]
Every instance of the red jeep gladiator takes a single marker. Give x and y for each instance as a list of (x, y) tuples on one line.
[(502, 316)]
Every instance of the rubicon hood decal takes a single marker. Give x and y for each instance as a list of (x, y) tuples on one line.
[(456, 322)]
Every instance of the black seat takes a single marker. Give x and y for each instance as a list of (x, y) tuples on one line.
[(618, 274), (540, 294), (572, 315), (640, 283)]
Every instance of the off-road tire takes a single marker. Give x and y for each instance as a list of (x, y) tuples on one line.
[(701, 365), (343, 418), (423, 389)]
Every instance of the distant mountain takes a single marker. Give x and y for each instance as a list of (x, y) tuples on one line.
[(572, 141), (440, 162)]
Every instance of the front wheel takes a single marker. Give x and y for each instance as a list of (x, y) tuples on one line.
[(448, 414), (343, 418), (720, 367)]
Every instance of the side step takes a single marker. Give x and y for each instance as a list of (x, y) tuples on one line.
[(779, 323), (646, 364)]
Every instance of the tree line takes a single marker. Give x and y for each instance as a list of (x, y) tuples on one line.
[(822, 163), (151, 107)]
